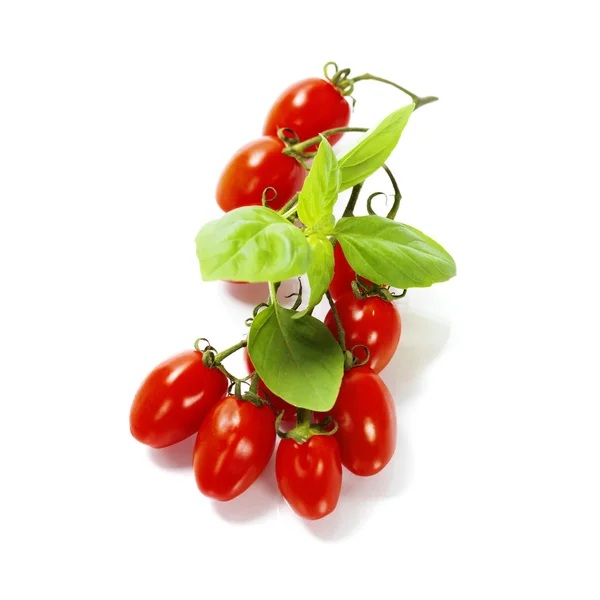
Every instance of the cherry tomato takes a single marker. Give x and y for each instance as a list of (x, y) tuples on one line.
[(234, 445), (255, 167), (366, 417), (289, 411), (309, 475), (174, 399), (343, 274), (372, 322), (309, 107)]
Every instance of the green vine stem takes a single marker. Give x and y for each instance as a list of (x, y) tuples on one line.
[(221, 356), (416, 99), (341, 79), (340, 327), (348, 356), (397, 197), (302, 417), (297, 295), (273, 292), (298, 149), (349, 210), (289, 205), (213, 359)]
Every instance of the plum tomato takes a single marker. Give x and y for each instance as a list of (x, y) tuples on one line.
[(343, 275), (255, 167), (234, 445), (174, 399), (308, 108), (371, 322), (309, 475), (366, 418)]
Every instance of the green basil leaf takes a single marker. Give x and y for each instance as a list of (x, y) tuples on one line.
[(392, 253), (320, 190), (298, 359), (373, 150), (252, 244), (320, 272)]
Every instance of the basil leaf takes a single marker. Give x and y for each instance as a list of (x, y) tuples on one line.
[(320, 190), (320, 272), (374, 149), (392, 253), (252, 244), (298, 359)]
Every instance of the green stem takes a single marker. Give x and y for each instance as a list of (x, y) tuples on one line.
[(223, 355), (340, 327), (299, 148), (397, 195), (416, 99), (302, 417), (349, 211), (273, 292), (289, 213), (227, 374), (289, 205)]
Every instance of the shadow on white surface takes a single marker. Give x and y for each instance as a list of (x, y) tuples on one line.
[(249, 293), (178, 456), (422, 341), (256, 502), (361, 494), (254, 293)]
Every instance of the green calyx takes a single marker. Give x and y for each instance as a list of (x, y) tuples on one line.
[(361, 289), (304, 430)]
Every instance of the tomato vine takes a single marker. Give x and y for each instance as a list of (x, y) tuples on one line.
[(280, 224)]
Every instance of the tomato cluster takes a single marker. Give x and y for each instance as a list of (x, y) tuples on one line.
[(236, 431), (306, 108)]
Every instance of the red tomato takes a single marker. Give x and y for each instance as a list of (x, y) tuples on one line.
[(255, 167), (309, 475), (343, 274), (366, 418), (289, 411), (309, 107), (372, 322), (233, 447), (174, 399)]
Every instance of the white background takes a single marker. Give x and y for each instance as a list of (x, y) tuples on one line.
[(116, 118)]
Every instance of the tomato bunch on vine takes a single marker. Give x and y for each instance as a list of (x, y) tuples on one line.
[(314, 384)]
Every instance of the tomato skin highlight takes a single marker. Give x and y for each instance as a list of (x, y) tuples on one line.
[(253, 168), (309, 475), (173, 400), (289, 411), (309, 107), (343, 275), (234, 444), (371, 322), (366, 418)]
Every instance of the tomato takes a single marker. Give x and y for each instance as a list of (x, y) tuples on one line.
[(255, 167), (366, 418), (289, 411), (372, 322), (343, 274), (174, 399), (309, 107), (233, 447), (309, 475)]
